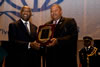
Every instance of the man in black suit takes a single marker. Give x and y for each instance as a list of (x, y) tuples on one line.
[(23, 49), (89, 55), (61, 52)]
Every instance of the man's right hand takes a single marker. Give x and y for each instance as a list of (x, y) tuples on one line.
[(35, 45), (53, 42)]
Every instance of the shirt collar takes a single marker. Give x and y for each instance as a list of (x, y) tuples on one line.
[(56, 21), (24, 21), (88, 47)]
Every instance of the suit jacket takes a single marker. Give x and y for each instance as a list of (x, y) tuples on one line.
[(93, 59), (19, 54), (65, 50)]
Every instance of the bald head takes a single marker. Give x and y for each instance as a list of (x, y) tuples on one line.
[(26, 13), (25, 7)]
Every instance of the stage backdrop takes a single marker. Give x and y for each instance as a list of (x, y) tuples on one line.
[(85, 12)]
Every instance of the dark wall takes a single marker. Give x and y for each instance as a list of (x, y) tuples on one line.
[(97, 43)]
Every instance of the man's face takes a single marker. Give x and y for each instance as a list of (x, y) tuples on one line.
[(56, 12), (26, 13), (87, 42)]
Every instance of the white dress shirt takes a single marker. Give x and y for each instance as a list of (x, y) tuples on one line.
[(56, 22), (28, 26), (87, 48)]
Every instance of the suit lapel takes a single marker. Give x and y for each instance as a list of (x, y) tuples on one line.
[(60, 23), (22, 27), (31, 29)]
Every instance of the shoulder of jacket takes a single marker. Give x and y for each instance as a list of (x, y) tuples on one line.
[(67, 18), (82, 49), (15, 22), (49, 22)]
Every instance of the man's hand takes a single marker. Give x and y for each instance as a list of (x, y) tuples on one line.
[(53, 42), (35, 45)]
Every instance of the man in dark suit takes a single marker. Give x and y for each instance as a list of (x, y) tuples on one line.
[(61, 52), (89, 55), (23, 49)]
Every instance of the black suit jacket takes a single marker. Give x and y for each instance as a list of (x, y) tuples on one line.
[(65, 50), (93, 59), (18, 49)]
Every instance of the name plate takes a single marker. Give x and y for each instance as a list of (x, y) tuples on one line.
[(45, 33)]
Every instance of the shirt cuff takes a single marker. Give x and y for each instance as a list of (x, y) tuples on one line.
[(29, 45)]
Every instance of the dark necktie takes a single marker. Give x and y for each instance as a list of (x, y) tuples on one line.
[(26, 26), (55, 22), (87, 48)]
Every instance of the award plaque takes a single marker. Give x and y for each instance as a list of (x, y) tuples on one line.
[(45, 33)]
